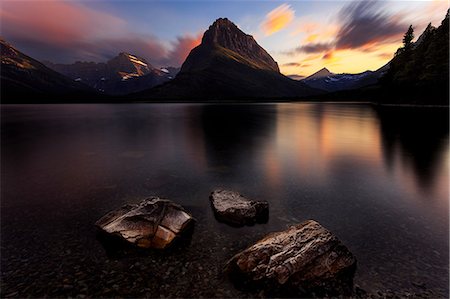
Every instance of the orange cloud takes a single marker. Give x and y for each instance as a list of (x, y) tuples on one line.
[(386, 56), (328, 56), (278, 19), (312, 57), (305, 27), (182, 47), (311, 38)]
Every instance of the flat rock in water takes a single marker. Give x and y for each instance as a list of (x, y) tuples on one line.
[(233, 208), (153, 223), (305, 259)]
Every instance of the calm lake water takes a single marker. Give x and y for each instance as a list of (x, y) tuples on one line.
[(376, 177)]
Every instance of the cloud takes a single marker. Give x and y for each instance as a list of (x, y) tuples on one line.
[(295, 64), (306, 26), (315, 47), (365, 23), (278, 19), (328, 56), (311, 38), (67, 31), (386, 56), (144, 46), (55, 22), (311, 48), (363, 26), (181, 49)]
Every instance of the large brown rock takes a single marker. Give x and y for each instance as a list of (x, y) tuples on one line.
[(153, 223), (233, 208), (305, 259)]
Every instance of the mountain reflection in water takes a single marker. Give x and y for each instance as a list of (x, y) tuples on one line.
[(377, 177)]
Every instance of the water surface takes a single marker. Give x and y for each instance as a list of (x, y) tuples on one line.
[(376, 177)]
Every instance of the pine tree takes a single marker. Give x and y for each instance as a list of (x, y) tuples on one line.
[(408, 37)]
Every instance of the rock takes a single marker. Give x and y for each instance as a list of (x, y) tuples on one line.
[(153, 223), (305, 259), (233, 208)]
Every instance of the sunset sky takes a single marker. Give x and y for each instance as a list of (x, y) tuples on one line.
[(302, 36)]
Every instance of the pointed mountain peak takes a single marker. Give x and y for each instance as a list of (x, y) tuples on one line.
[(222, 31), (225, 37), (324, 72), (126, 63), (425, 34), (223, 22)]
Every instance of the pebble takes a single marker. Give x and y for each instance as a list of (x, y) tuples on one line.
[(14, 294)]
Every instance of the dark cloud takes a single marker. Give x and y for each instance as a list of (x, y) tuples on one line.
[(100, 51), (364, 23), (292, 64), (147, 47), (315, 47), (311, 48)]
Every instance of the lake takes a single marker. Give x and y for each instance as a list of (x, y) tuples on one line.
[(377, 177)]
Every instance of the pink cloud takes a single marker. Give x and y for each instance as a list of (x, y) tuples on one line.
[(56, 22), (66, 31), (181, 49)]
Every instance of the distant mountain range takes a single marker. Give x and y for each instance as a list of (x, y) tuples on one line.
[(123, 74), (328, 81), (228, 64)]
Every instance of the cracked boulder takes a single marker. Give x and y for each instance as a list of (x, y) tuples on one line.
[(304, 260), (152, 223), (233, 208)]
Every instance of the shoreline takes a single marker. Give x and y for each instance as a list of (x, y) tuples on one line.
[(234, 102)]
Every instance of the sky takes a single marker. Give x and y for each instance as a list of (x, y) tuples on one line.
[(302, 36)]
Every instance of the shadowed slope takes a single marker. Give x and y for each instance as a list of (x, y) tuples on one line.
[(24, 79), (228, 64)]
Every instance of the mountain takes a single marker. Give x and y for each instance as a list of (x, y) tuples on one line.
[(123, 74), (420, 74), (25, 79), (228, 64), (326, 80), (324, 72), (417, 75)]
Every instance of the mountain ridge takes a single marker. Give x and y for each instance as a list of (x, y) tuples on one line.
[(23, 77), (228, 64), (323, 72), (120, 75), (331, 82)]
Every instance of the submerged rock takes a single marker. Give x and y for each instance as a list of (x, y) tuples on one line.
[(153, 223), (305, 259), (233, 208)]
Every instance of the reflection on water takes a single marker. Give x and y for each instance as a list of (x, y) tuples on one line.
[(377, 177), (412, 137)]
